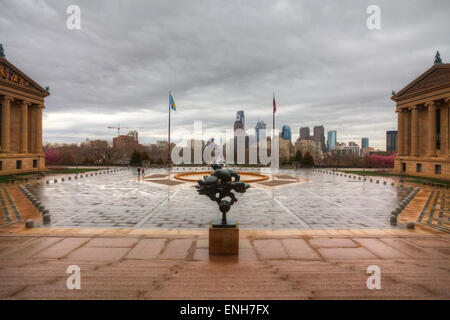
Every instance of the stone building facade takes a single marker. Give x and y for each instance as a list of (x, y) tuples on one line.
[(311, 146), (22, 102), (284, 149), (423, 124)]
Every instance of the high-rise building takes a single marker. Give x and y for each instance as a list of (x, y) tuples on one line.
[(260, 135), (332, 139), (133, 134), (240, 121), (304, 133), (286, 133), (391, 141), (364, 143), (319, 136)]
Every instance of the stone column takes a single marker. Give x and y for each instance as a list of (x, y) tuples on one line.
[(400, 133), (406, 127), (414, 132), (6, 123), (431, 128), (38, 143), (24, 127), (447, 101)]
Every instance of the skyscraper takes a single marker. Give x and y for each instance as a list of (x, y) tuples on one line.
[(319, 136), (332, 139), (391, 141), (364, 143), (260, 136), (240, 121), (304, 133), (286, 132)]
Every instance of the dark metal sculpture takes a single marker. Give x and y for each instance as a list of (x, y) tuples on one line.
[(219, 186)]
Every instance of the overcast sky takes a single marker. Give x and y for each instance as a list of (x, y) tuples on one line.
[(324, 64)]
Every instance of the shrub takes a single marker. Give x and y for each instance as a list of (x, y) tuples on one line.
[(308, 160)]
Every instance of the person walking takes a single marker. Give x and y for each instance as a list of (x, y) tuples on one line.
[(139, 171), (142, 171)]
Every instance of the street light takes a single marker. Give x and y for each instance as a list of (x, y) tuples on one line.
[(38, 167)]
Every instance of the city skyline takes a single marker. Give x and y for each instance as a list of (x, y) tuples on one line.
[(126, 78)]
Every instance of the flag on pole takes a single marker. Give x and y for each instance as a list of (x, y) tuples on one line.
[(274, 104), (172, 103)]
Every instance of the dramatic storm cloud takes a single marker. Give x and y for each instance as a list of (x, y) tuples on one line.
[(218, 57)]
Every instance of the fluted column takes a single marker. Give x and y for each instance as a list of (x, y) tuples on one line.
[(414, 132), (447, 101), (406, 127), (6, 123), (431, 129), (400, 133), (38, 143), (24, 126)]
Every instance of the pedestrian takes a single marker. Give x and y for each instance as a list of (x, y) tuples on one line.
[(139, 171), (142, 171)]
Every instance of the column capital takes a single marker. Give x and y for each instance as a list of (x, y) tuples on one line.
[(430, 104), (25, 102), (8, 98), (414, 107), (447, 100)]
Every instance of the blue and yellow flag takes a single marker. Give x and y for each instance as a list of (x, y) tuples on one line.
[(172, 103)]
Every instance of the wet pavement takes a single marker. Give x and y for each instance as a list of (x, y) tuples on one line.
[(320, 201)]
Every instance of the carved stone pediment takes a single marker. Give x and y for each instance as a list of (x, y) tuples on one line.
[(438, 74), (12, 76)]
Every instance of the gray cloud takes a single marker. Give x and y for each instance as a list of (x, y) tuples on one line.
[(218, 57)]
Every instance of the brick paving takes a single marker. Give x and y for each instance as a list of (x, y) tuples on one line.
[(413, 266)]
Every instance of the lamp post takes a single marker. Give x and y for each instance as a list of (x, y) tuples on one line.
[(401, 171), (364, 170), (39, 167)]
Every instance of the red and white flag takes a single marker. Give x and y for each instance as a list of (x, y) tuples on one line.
[(274, 104)]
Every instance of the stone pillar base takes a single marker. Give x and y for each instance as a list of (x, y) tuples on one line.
[(223, 241)]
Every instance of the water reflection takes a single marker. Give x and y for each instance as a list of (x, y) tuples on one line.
[(124, 200)]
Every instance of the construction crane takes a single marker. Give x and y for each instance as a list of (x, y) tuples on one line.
[(119, 127)]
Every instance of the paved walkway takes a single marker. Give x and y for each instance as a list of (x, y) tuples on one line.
[(317, 256), (318, 201), (284, 265)]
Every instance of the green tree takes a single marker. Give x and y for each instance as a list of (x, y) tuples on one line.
[(136, 158), (308, 160), (87, 161), (298, 156), (145, 156), (67, 157)]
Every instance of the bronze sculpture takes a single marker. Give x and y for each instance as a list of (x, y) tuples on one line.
[(220, 185)]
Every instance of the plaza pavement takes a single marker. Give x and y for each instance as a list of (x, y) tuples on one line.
[(175, 264), (287, 263), (318, 201)]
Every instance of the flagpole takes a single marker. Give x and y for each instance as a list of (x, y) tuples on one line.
[(273, 113), (168, 146), (273, 130)]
